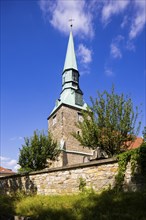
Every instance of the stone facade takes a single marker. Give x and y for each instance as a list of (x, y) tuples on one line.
[(98, 175), (61, 124)]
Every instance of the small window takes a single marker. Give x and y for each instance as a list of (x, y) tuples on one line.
[(80, 117), (54, 120)]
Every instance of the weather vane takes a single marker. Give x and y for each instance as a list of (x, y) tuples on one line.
[(71, 22)]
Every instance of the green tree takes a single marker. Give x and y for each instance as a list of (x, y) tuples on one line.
[(109, 123), (144, 134), (37, 149)]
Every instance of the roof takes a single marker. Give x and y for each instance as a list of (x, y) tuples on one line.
[(137, 142), (70, 60), (6, 171)]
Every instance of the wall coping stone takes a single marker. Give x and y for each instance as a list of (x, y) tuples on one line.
[(64, 168)]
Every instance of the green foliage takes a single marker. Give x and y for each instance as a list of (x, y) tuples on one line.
[(82, 184), (105, 206), (36, 151), (137, 158), (144, 134), (142, 158), (6, 206), (109, 123)]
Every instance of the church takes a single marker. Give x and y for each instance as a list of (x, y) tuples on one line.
[(68, 111)]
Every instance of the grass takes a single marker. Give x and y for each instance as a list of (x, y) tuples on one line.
[(108, 205)]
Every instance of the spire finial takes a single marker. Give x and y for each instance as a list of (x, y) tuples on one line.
[(71, 22)]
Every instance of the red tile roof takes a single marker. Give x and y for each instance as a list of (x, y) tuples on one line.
[(138, 141), (6, 171)]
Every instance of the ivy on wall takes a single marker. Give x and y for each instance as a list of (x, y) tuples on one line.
[(137, 158)]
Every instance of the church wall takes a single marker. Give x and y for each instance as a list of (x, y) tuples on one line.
[(98, 175), (66, 117)]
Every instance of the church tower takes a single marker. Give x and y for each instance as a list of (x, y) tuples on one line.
[(68, 111)]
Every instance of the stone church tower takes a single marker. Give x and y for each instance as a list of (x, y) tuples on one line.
[(67, 112)]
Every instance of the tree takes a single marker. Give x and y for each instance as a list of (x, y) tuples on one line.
[(109, 123), (144, 134), (37, 149)]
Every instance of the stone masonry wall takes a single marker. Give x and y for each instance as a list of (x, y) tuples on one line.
[(66, 180), (66, 117)]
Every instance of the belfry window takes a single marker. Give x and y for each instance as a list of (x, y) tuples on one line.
[(75, 76), (78, 99), (74, 85)]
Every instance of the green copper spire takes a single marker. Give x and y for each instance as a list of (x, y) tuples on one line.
[(70, 60), (71, 93)]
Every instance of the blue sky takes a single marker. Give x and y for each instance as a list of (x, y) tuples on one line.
[(110, 45)]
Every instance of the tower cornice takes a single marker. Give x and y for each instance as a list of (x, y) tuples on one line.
[(69, 70), (80, 109)]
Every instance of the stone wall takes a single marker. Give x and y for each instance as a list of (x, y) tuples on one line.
[(66, 180), (61, 124)]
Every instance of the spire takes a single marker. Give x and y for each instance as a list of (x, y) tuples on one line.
[(71, 93), (70, 60)]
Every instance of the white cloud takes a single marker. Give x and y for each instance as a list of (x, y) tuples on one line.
[(16, 138), (136, 20), (113, 7), (59, 12), (9, 163), (115, 46), (16, 167), (130, 46), (125, 21), (84, 54), (47, 6), (4, 158), (108, 72), (115, 51), (139, 19), (120, 44)]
